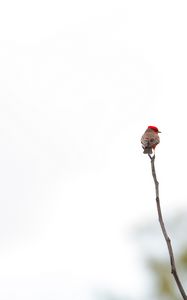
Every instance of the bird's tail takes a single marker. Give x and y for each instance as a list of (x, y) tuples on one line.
[(148, 150)]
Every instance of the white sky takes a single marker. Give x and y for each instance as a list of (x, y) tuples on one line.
[(80, 82)]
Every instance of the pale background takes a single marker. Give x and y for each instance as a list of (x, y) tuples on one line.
[(80, 82)]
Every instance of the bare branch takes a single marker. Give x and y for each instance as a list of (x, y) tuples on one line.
[(167, 239)]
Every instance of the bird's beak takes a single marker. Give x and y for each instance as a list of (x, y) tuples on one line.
[(159, 131)]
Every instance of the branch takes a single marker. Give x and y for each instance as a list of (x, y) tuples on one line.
[(167, 239)]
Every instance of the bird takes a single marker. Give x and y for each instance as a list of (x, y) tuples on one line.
[(150, 139)]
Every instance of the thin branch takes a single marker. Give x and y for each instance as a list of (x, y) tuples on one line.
[(167, 239)]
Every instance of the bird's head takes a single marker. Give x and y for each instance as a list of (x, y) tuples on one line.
[(155, 129)]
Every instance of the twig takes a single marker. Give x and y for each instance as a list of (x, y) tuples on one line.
[(167, 239)]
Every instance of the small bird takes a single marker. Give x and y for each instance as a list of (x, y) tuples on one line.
[(150, 139)]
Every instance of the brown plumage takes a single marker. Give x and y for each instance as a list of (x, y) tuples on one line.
[(150, 139)]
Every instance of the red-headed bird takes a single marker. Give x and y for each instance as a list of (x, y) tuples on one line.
[(150, 139)]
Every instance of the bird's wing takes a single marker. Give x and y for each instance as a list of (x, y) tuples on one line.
[(150, 139), (145, 142)]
